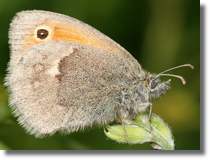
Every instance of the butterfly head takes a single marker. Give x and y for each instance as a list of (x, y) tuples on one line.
[(157, 87)]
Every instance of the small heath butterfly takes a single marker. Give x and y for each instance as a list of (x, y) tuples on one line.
[(65, 75)]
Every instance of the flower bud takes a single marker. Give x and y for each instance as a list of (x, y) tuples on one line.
[(138, 132)]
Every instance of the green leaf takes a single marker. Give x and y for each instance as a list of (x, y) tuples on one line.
[(3, 146)]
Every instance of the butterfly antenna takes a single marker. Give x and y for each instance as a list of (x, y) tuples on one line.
[(172, 75)]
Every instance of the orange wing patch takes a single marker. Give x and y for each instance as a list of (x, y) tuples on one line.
[(61, 32)]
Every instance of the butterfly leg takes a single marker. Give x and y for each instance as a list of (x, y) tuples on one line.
[(150, 126), (150, 115), (122, 124)]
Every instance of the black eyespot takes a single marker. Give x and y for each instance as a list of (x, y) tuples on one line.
[(42, 33), (153, 84)]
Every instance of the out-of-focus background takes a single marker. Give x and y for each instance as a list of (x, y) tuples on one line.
[(160, 34)]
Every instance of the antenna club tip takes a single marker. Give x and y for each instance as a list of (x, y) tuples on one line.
[(191, 66)]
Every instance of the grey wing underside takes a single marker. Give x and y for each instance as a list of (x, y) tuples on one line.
[(90, 80), (61, 86)]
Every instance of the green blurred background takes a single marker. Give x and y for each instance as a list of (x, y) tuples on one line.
[(160, 34)]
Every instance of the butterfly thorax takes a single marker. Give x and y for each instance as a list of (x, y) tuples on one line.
[(136, 96)]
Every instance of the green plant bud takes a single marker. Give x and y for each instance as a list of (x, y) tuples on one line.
[(138, 132)]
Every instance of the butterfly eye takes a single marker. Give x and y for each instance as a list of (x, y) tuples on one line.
[(153, 84), (42, 33)]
